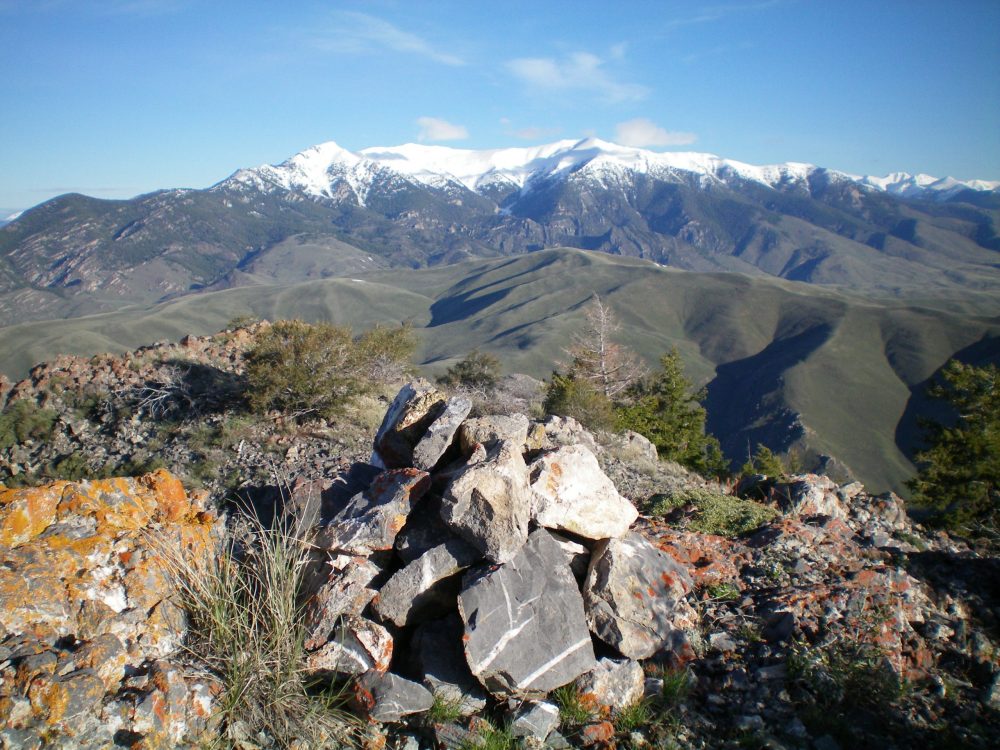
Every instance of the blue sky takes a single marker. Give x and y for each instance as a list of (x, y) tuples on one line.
[(113, 98)]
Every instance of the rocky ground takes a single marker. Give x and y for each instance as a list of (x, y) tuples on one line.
[(492, 581)]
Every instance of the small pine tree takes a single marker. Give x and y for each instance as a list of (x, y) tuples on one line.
[(666, 409), (569, 396), (764, 461), (959, 474)]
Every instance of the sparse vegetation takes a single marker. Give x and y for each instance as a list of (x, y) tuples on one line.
[(24, 420), (490, 736), (245, 630), (713, 513), (477, 372), (573, 709), (570, 396)]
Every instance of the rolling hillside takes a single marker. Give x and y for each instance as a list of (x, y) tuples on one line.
[(787, 364)]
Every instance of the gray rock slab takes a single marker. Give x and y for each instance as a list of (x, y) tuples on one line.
[(436, 653), (489, 503), (525, 628), (424, 530), (535, 719), (413, 590), (488, 430), (406, 421), (371, 519), (613, 683), (343, 586), (389, 697), (441, 433), (356, 646), (634, 596), (571, 493)]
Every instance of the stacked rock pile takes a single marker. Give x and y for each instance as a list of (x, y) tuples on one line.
[(480, 557)]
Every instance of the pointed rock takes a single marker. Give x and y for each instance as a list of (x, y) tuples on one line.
[(421, 585), (371, 519), (489, 503), (634, 594), (406, 421), (571, 493), (525, 628), (441, 432)]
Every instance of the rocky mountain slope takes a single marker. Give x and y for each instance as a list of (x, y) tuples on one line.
[(474, 590), (412, 206)]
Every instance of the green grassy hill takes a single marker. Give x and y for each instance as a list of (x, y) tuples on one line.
[(786, 364)]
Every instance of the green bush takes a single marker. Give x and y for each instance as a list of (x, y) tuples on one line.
[(959, 476), (312, 370), (713, 513), (568, 396), (478, 371), (765, 461), (24, 420)]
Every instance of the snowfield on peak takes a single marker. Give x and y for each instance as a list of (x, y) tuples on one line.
[(325, 170)]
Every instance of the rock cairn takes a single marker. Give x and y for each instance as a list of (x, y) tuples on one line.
[(485, 557)]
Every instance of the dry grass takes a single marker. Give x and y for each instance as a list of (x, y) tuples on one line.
[(245, 630)]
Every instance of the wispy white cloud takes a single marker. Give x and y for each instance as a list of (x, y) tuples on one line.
[(435, 129), (360, 33), (641, 132), (719, 12), (579, 71)]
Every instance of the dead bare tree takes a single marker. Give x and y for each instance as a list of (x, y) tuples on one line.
[(595, 357)]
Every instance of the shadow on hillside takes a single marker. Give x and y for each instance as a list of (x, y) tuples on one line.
[(203, 389), (970, 578)]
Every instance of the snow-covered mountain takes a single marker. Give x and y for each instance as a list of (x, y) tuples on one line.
[(329, 171)]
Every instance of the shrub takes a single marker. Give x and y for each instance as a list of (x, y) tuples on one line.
[(765, 461), (25, 420), (568, 396), (308, 370), (713, 513), (477, 371)]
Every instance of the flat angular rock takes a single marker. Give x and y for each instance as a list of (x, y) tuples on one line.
[(571, 493), (389, 697), (489, 503), (355, 647), (420, 585), (525, 629), (424, 530), (436, 653), (488, 430), (406, 421), (346, 591), (634, 595), (535, 719), (810, 495), (371, 519), (441, 432), (612, 683)]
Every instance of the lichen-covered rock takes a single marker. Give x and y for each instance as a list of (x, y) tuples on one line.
[(356, 646), (571, 493), (346, 590), (634, 595), (87, 591), (525, 629), (389, 697), (370, 521), (488, 503), (613, 685)]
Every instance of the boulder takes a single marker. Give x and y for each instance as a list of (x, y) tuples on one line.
[(489, 503), (421, 586), (525, 628), (356, 646), (488, 430), (810, 495), (371, 519), (346, 590), (406, 421), (441, 432), (436, 653), (613, 683), (560, 431), (423, 531), (389, 697), (534, 719), (571, 493), (634, 595)]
